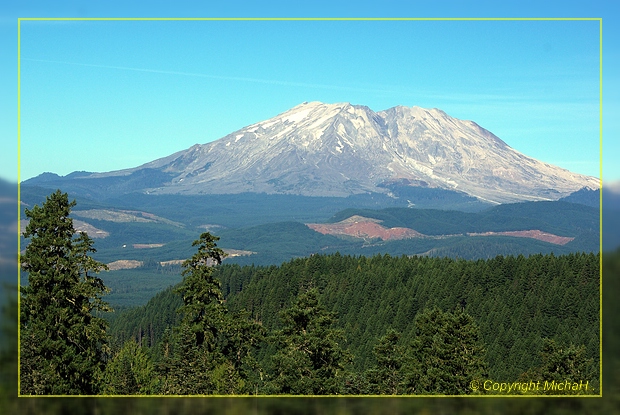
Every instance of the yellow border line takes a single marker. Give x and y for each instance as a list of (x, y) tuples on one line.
[(600, 20), (19, 208), (389, 19), (311, 396)]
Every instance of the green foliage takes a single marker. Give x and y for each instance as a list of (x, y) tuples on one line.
[(203, 308), (146, 324), (609, 403), (130, 372), (239, 338), (387, 377), (310, 358), (210, 351), (446, 354), (62, 339), (516, 301), (185, 368), (188, 369), (285, 238), (563, 366), (135, 287), (250, 222), (555, 217)]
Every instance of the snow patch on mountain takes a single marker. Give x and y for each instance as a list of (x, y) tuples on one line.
[(318, 149)]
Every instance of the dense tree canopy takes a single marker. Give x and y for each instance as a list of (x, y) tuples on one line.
[(408, 325), (566, 369), (515, 301), (387, 377), (210, 351), (311, 358), (62, 340), (130, 372), (386, 319), (446, 354)]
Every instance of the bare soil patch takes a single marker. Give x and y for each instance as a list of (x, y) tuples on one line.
[(360, 227), (124, 264)]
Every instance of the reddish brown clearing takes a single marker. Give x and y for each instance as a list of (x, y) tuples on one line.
[(365, 229), (360, 227), (534, 234)]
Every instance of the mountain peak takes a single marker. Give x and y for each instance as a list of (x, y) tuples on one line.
[(340, 149)]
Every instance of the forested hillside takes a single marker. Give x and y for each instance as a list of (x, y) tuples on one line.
[(516, 302), (561, 218), (323, 324)]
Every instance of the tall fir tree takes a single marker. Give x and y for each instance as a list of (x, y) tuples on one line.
[(62, 340), (203, 309), (210, 351), (310, 359)]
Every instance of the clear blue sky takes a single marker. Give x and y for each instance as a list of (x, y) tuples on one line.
[(107, 95)]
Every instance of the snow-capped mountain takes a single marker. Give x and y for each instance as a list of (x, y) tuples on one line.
[(318, 149)]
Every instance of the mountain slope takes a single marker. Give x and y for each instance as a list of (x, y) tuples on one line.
[(317, 149)]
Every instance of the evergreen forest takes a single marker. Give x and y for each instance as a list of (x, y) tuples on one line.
[(509, 309), (320, 325)]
